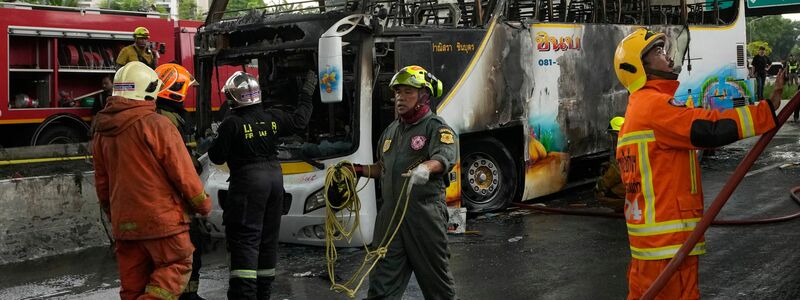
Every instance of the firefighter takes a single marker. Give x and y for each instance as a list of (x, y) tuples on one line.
[(176, 82), (147, 186), (420, 146), (246, 140), (609, 190), (659, 165), (140, 50)]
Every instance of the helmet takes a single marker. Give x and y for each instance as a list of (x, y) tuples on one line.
[(141, 32), (417, 77), (616, 123), (628, 57), (136, 81), (176, 81), (242, 89)]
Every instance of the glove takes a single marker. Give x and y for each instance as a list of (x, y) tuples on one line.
[(418, 175), (310, 84)]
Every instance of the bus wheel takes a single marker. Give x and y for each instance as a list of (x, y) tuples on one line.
[(60, 134), (488, 175)]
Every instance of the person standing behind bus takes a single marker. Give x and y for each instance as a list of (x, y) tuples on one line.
[(421, 146), (659, 165), (760, 64), (139, 50), (792, 68), (246, 140), (147, 186), (169, 103)]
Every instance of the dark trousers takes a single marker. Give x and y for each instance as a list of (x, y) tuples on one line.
[(252, 218), (760, 85), (197, 257)]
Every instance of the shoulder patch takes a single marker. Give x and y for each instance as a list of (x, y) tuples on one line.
[(386, 144), (446, 138)]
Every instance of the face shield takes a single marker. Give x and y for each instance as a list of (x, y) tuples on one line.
[(676, 47)]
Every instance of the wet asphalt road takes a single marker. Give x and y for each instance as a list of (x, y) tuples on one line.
[(519, 254)]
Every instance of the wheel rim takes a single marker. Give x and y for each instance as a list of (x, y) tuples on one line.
[(61, 140), (483, 177)]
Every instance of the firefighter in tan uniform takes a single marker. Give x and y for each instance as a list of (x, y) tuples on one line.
[(138, 51), (658, 161), (419, 146)]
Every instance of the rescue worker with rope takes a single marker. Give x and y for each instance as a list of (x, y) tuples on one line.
[(418, 148), (139, 50), (658, 161), (147, 186), (169, 103), (246, 141)]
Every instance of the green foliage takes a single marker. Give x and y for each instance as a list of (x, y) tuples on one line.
[(753, 47), (780, 33), (67, 3), (133, 5), (187, 10), (788, 91), (244, 4)]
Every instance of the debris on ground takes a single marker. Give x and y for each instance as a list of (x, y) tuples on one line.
[(515, 239)]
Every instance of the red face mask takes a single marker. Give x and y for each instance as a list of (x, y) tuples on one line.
[(420, 110)]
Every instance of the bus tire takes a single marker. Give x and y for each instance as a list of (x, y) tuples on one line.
[(488, 175), (61, 134)]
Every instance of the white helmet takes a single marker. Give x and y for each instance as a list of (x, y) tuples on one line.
[(242, 89), (136, 81)]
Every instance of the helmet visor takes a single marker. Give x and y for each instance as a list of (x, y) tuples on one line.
[(676, 47)]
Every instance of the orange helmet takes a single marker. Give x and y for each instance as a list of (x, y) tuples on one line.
[(176, 81)]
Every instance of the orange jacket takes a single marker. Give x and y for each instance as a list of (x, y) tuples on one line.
[(143, 174), (658, 161)]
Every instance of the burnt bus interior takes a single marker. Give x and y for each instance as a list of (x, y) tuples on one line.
[(470, 14), (281, 75)]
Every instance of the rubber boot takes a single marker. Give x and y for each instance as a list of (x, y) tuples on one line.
[(265, 287)]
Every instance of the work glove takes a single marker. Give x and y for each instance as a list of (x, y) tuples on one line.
[(310, 84), (418, 175)]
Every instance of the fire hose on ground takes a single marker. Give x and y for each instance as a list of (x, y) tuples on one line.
[(708, 217)]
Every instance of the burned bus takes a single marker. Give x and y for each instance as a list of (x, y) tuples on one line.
[(529, 85)]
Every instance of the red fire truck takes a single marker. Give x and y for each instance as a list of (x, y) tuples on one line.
[(56, 57)]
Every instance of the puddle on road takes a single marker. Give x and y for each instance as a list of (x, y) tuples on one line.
[(50, 288)]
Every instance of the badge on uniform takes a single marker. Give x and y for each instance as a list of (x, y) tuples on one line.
[(446, 136), (417, 142), (386, 145)]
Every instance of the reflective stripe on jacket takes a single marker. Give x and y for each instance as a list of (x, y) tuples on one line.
[(659, 165)]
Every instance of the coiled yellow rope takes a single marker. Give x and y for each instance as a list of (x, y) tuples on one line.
[(341, 177)]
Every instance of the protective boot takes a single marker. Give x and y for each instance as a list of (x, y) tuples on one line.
[(265, 287)]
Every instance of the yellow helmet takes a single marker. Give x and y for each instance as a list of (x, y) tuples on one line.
[(628, 57), (616, 123), (141, 32), (418, 77)]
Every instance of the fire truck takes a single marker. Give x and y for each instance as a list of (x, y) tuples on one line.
[(56, 58)]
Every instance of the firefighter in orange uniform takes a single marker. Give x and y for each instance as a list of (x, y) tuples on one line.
[(147, 185), (658, 161)]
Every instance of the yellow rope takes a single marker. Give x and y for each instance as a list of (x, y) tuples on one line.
[(335, 230)]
